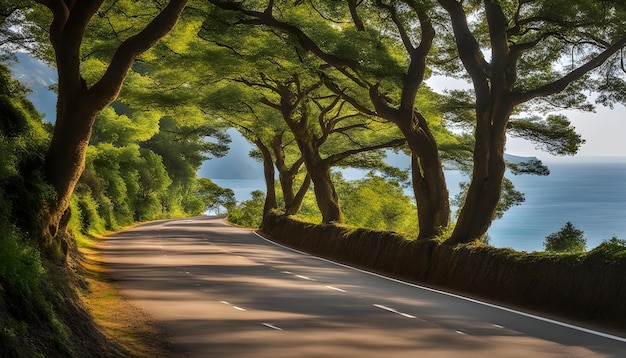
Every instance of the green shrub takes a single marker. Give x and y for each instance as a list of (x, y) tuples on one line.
[(612, 250), (9, 342), (21, 277), (88, 213), (250, 212), (568, 239)]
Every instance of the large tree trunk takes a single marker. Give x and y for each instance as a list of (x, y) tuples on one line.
[(325, 194), (296, 203), (287, 175), (429, 183), (64, 164), (270, 184), (65, 158), (489, 167)]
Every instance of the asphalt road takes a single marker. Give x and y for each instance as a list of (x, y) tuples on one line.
[(221, 291)]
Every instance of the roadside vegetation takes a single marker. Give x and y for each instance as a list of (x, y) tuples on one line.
[(146, 91)]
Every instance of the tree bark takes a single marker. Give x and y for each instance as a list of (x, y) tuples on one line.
[(323, 186), (493, 84), (429, 183), (270, 183), (294, 207), (293, 200), (485, 187)]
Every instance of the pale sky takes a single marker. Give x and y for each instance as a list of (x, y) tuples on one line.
[(604, 130)]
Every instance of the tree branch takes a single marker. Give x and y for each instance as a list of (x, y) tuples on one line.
[(406, 39), (358, 23), (560, 84), (108, 87), (468, 47), (335, 158)]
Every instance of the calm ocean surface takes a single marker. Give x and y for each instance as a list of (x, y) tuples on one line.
[(590, 195)]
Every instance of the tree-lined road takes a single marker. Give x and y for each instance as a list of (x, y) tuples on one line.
[(221, 291)]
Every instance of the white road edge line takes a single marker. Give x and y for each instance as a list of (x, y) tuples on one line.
[(272, 326), (544, 319), (239, 308)]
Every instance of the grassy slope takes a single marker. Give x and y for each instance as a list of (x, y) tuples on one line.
[(119, 320), (87, 315)]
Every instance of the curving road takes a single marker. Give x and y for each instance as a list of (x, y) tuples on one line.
[(221, 291)]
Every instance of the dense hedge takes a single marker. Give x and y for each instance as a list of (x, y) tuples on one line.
[(589, 286)]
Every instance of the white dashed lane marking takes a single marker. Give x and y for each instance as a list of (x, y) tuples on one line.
[(233, 306), (305, 278), (335, 288), (272, 326), (395, 311)]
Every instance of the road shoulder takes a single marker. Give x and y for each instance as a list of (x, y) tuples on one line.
[(119, 319)]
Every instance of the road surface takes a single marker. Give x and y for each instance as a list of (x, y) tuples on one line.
[(221, 291)]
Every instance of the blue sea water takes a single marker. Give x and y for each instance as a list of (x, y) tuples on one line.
[(591, 195)]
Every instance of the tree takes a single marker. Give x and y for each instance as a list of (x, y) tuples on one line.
[(213, 196), (568, 239), (249, 212), (287, 176), (538, 50), (333, 119), (78, 104), (240, 106)]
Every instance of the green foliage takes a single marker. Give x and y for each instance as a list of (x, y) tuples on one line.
[(554, 135), (21, 277), (509, 197), (138, 170), (213, 197), (153, 183), (250, 212), (23, 141), (532, 166), (121, 130), (568, 239), (86, 217), (25, 294), (613, 250), (378, 203)]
